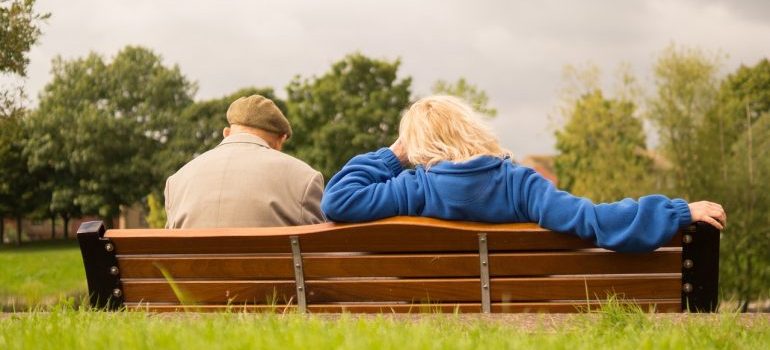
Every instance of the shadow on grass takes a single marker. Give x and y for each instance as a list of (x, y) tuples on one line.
[(40, 246)]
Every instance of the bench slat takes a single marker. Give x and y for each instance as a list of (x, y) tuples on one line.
[(409, 290), (661, 305), (376, 240), (400, 265), (262, 292)]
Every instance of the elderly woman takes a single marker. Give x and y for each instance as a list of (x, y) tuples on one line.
[(462, 173)]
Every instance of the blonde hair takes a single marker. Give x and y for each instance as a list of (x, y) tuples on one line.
[(438, 128)]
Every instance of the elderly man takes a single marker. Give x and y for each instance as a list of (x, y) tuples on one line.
[(246, 181)]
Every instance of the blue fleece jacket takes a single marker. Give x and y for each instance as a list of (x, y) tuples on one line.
[(488, 189)]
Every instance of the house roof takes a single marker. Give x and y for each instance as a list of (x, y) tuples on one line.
[(543, 164)]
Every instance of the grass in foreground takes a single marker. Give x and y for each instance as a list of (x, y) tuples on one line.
[(40, 273), (615, 328)]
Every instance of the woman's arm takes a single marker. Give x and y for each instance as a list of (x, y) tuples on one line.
[(627, 225), (369, 187)]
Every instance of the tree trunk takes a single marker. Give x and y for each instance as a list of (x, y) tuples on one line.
[(66, 219), (18, 230), (744, 305), (53, 226), (2, 229), (108, 222)]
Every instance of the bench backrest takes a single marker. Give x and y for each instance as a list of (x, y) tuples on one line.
[(400, 264)]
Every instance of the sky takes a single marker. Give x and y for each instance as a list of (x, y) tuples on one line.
[(514, 50)]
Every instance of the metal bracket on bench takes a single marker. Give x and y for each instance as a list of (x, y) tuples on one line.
[(101, 264), (299, 274), (700, 267), (486, 306)]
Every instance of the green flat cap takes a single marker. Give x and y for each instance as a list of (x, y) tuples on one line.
[(258, 112)]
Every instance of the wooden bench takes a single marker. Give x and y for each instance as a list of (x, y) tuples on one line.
[(401, 264)]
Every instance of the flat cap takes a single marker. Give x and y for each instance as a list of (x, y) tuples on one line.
[(258, 112)]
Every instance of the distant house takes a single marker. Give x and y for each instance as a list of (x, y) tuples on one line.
[(36, 230), (543, 164)]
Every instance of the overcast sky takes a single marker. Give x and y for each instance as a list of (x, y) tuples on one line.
[(515, 50)]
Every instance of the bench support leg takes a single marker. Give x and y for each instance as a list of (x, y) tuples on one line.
[(486, 305), (101, 263), (700, 268), (299, 274)]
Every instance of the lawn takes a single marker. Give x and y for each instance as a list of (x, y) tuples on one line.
[(68, 328), (40, 272)]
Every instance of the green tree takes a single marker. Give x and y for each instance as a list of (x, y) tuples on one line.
[(19, 31), (100, 127), (602, 153), (18, 188), (156, 215), (737, 139), (746, 244), (353, 108), (716, 138), (747, 90), (470, 93), (686, 90)]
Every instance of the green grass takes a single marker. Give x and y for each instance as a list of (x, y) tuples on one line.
[(49, 271), (40, 273), (67, 328)]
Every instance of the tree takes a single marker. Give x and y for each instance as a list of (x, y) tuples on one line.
[(746, 245), (18, 186), (739, 133), (602, 153), (686, 92), (477, 98), (716, 137), (100, 127), (156, 214), (19, 31), (353, 108)]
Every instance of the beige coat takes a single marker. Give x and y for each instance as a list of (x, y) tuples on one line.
[(243, 183)]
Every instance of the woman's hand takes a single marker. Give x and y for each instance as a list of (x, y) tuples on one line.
[(711, 213), (400, 152)]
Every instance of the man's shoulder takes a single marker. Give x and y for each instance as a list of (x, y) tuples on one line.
[(297, 164), (248, 156)]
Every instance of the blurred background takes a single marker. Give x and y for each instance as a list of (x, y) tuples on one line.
[(102, 100)]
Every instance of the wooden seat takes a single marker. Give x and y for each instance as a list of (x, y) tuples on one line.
[(401, 264)]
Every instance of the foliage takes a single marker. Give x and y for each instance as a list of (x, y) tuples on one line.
[(19, 193), (470, 93), (742, 132), (717, 137), (746, 246), (156, 215), (602, 150), (65, 328), (351, 109), (19, 31), (100, 126), (686, 88)]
